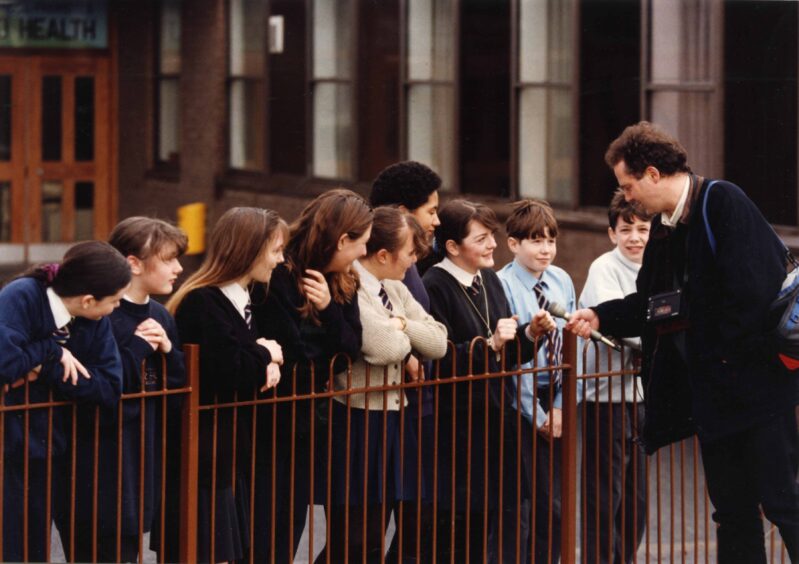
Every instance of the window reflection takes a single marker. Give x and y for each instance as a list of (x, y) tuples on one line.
[(332, 91), (544, 100), (52, 203)]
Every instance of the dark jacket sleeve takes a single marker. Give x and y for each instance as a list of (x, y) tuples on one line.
[(342, 327), (133, 350), (101, 359), (21, 349), (622, 317), (19, 355)]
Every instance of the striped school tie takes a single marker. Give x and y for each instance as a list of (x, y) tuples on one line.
[(248, 314), (553, 344), (384, 298), (476, 286), (62, 335)]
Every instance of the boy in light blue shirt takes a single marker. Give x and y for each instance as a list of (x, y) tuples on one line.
[(531, 282)]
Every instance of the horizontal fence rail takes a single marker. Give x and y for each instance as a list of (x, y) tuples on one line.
[(439, 469)]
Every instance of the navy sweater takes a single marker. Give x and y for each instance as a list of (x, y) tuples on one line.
[(134, 351), (26, 341)]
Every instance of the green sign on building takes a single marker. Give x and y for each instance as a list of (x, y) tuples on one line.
[(70, 24)]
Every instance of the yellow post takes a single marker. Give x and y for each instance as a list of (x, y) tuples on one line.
[(191, 219)]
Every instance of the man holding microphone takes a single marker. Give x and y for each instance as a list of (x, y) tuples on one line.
[(710, 362)]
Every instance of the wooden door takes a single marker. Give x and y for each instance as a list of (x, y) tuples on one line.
[(55, 149)]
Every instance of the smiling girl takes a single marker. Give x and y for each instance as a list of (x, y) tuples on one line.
[(144, 332), (213, 309), (467, 297)]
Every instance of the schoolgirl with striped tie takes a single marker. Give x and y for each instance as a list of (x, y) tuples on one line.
[(394, 326), (54, 337)]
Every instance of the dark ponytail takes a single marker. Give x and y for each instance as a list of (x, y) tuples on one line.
[(91, 267)]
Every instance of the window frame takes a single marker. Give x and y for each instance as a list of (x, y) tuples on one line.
[(352, 82), (160, 77)]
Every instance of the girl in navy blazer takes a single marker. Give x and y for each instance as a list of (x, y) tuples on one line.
[(213, 310), (55, 343)]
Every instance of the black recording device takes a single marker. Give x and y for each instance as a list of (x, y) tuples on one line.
[(666, 306)]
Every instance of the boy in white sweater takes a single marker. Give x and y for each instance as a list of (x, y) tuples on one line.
[(615, 402)]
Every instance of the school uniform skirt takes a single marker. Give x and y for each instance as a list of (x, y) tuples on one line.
[(370, 464), (231, 522)]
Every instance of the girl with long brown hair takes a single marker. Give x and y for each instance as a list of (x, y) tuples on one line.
[(213, 309), (312, 310)]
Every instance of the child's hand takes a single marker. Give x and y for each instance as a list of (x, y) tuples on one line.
[(414, 370), (274, 348), (272, 376), (541, 324), (152, 332), (32, 376), (553, 426), (316, 289), (72, 367), (505, 331)]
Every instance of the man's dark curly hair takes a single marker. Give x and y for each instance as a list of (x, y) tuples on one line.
[(406, 184), (644, 144)]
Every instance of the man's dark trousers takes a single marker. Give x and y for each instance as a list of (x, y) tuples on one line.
[(746, 471)]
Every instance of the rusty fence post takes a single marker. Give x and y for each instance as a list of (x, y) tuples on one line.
[(189, 449), (570, 449)]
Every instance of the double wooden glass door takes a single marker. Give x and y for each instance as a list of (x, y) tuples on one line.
[(55, 149)]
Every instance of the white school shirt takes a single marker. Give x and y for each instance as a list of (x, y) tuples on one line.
[(61, 315), (237, 295)]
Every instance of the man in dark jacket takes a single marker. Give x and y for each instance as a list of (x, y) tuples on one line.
[(710, 360)]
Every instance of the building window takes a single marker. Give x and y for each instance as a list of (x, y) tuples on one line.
[(761, 107), (168, 84), (332, 87), (544, 100), (610, 89), (430, 89), (246, 85), (682, 76)]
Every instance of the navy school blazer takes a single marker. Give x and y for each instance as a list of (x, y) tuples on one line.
[(26, 341)]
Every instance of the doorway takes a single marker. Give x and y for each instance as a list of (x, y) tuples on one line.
[(55, 149)]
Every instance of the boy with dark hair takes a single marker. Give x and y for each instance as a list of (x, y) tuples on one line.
[(413, 187), (531, 282), (610, 453), (408, 184)]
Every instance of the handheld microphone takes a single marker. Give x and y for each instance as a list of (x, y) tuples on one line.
[(557, 310)]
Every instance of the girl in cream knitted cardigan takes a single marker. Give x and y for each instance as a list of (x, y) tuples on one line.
[(395, 326)]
